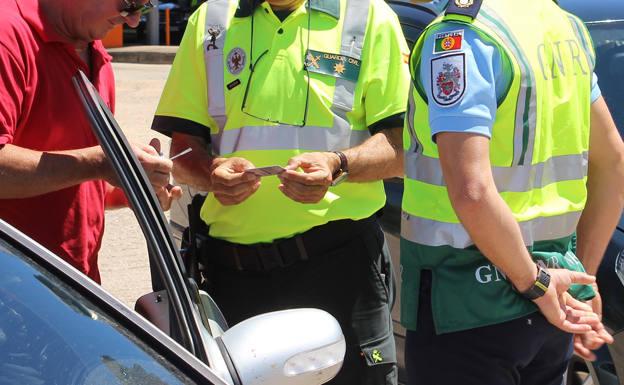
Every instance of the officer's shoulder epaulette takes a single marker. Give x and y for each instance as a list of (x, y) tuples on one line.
[(468, 8)]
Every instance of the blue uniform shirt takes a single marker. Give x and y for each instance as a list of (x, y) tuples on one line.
[(485, 82)]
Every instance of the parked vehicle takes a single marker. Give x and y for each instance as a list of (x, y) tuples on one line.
[(605, 21), (59, 327), (179, 12)]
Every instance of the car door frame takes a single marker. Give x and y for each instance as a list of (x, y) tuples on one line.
[(164, 255)]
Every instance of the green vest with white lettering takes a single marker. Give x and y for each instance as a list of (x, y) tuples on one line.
[(539, 157)]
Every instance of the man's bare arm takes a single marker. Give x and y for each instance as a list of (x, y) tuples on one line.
[(194, 168), (26, 173), (475, 199), (605, 185), (380, 157), (494, 230)]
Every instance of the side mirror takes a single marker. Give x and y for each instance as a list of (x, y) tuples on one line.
[(294, 347)]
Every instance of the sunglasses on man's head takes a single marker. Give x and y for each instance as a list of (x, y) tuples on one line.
[(132, 7)]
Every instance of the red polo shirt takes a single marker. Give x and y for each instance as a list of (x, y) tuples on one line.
[(40, 110)]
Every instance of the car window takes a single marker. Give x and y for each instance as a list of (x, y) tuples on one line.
[(51, 334), (608, 40)]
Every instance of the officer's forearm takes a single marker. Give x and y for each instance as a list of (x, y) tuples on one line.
[(192, 169), (600, 216), (605, 187), (381, 156), (479, 207)]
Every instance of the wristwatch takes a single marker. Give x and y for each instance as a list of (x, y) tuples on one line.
[(540, 286), (341, 174)]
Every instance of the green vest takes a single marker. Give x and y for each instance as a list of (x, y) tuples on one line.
[(539, 157), (327, 77)]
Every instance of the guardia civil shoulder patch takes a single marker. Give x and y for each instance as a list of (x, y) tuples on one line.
[(448, 79), (448, 41)]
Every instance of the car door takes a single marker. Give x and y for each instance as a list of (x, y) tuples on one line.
[(177, 304)]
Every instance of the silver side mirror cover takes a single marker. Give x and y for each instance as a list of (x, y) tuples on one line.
[(290, 347)]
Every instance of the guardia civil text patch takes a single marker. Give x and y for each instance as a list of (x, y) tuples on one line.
[(448, 41), (448, 79), (340, 66)]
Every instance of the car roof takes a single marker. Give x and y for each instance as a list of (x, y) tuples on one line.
[(592, 11)]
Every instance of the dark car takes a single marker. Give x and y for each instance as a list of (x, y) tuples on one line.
[(59, 327), (605, 21), (178, 13)]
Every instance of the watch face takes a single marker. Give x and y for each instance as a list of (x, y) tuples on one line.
[(340, 178)]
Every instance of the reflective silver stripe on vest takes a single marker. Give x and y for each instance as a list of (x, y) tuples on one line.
[(353, 32), (284, 137), (587, 48), (217, 13), (526, 108), (338, 137), (508, 179), (433, 233)]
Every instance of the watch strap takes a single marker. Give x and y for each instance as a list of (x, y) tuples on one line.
[(343, 170), (344, 165), (539, 287)]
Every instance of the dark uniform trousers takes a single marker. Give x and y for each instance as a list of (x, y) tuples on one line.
[(342, 267), (525, 351)]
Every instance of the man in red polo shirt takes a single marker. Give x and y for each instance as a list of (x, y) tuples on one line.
[(55, 181)]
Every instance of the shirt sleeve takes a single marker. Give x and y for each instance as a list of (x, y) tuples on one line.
[(184, 101), (12, 86), (462, 75), (595, 89), (387, 73)]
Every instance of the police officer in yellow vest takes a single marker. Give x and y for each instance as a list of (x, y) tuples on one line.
[(504, 124), (281, 101)]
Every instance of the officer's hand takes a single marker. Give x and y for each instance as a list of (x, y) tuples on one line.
[(167, 195), (595, 338), (230, 184), (563, 311), (310, 185)]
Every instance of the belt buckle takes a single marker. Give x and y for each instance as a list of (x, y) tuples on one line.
[(269, 256)]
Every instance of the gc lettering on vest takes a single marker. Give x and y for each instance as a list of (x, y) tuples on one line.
[(489, 273)]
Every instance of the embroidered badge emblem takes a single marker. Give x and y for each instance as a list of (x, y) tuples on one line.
[(339, 68), (377, 357), (236, 61), (214, 31), (448, 41), (448, 79), (464, 3), (313, 61)]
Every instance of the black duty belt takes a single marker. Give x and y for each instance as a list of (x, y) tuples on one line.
[(264, 257)]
